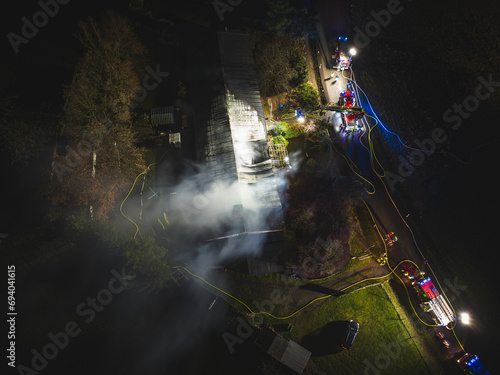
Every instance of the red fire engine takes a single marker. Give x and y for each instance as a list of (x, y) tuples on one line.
[(433, 302)]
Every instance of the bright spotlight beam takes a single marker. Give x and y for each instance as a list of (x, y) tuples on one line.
[(352, 51), (465, 318)]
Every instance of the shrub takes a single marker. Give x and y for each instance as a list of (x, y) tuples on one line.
[(280, 140), (306, 96)]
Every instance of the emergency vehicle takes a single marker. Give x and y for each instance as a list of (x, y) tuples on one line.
[(433, 302), (342, 60), (350, 122), (471, 365), (347, 99), (408, 270)]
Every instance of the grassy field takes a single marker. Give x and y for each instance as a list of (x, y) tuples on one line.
[(383, 345), (368, 236), (388, 341)]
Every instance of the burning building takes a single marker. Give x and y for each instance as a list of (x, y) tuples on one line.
[(231, 132)]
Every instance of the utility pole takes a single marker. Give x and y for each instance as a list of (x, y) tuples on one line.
[(94, 158), (118, 151)]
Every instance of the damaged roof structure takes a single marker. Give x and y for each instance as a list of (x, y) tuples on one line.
[(231, 132)]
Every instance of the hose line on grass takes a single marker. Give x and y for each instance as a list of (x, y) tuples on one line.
[(130, 191), (213, 286), (350, 164), (121, 205), (296, 311)]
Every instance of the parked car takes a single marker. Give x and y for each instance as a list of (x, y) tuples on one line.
[(351, 332)]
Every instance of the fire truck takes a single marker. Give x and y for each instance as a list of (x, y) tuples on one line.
[(351, 123), (350, 119), (408, 270), (347, 99), (433, 302), (342, 60)]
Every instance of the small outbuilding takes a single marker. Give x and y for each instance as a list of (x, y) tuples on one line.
[(287, 352), (162, 116)]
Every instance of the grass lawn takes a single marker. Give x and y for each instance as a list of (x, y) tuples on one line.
[(383, 344), (367, 237)]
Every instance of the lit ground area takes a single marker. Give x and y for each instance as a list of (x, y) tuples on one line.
[(384, 343)]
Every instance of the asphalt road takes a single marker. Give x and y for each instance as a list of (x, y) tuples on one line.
[(384, 210)]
